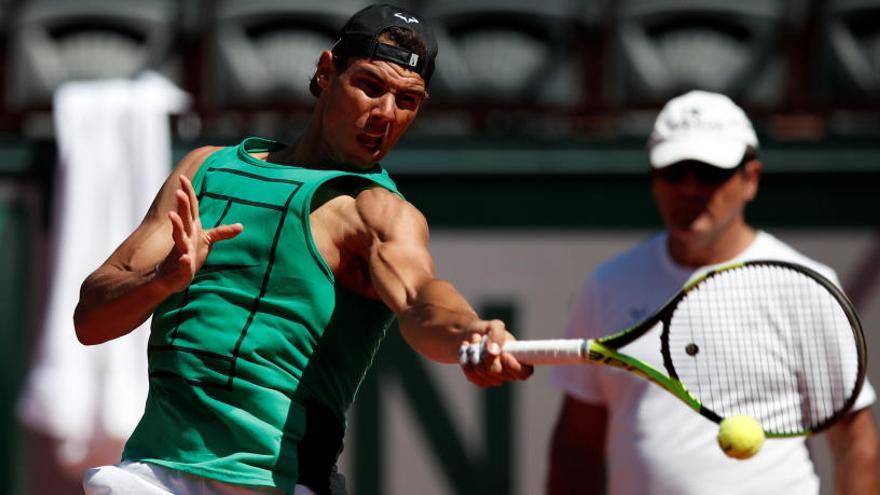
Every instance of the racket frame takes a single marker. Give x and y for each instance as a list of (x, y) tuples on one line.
[(604, 350)]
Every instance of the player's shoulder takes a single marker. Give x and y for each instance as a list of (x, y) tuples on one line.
[(189, 165), (386, 211), (194, 159), (202, 152), (768, 246), (626, 265), (376, 198)]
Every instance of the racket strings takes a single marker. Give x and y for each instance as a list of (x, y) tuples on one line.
[(766, 341)]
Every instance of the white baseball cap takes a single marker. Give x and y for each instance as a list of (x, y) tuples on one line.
[(702, 126)]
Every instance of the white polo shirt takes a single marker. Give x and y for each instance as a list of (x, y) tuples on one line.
[(656, 445)]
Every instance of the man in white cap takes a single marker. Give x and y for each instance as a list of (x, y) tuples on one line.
[(631, 433)]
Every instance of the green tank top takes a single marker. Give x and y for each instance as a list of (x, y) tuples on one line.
[(262, 332)]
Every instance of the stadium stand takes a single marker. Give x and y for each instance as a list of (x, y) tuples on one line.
[(851, 52), (263, 52), (510, 52), (666, 47), (59, 40)]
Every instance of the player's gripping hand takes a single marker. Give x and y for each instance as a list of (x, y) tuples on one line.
[(192, 243), (492, 367)]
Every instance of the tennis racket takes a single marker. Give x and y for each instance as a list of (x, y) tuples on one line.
[(773, 340)]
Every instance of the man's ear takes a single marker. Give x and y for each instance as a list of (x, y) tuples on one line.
[(752, 173), (326, 70)]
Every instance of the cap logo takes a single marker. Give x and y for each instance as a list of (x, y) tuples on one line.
[(408, 20), (692, 119), (413, 59)]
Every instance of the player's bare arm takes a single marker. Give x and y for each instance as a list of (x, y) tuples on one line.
[(577, 449), (377, 245), (158, 259), (855, 447)]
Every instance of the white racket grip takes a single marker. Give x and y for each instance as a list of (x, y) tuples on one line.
[(554, 351)]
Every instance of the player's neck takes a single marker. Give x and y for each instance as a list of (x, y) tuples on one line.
[(700, 250), (309, 150)]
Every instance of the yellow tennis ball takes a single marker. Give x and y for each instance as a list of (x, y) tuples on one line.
[(740, 436)]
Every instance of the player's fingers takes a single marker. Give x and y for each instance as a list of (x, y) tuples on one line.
[(464, 353), (494, 381), (505, 364), (467, 366), (470, 351), (496, 332), (475, 349), (183, 209), (468, 358), (495, 336), (473, 366), (515, 370), (484, 356), (178, 233), (185, 262), (494, 363), (512, 367), (484, 362), (481, 378), (187, 187), (223, 232), (474, 377)]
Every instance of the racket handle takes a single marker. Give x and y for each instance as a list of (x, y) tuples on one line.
[(555, 351)]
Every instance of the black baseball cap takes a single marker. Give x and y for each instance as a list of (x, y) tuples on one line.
[(360, 38)]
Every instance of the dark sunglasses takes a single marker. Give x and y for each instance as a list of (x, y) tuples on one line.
[(704, 174)]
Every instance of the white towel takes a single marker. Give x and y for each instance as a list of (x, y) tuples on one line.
[(114, 153)]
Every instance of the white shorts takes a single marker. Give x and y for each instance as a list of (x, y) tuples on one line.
[(141, 478)]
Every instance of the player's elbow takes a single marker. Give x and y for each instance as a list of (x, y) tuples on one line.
[(87, 328), (83, 332), (86, 338)]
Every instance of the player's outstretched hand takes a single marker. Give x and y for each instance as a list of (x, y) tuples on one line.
[(192, 243), (493, 367)]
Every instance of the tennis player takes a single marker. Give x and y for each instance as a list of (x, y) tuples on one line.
[(704, 155), (272, 272)]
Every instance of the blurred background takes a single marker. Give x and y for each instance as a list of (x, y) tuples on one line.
[(528, 161)]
